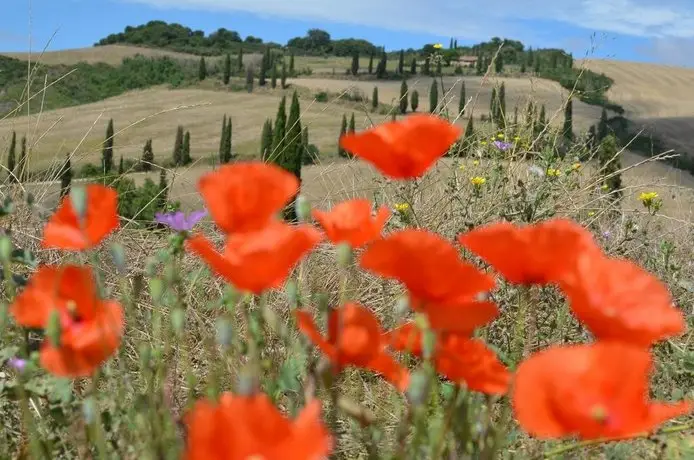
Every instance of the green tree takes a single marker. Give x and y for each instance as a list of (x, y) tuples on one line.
[(468, 136), (450, 45), (343, 130), (121, 166), (177, 154), (414, 103), (239, 61), (426, 70), (591, 142), (522, 67), (291, 64), (147, 156), (226, 75), (249, 79), (66, 176), (23, 161), (227, 143), (501, 107), (401, 62), (264, 64), (403, 97), (371, 63), (185, 153), (293, 152), (107, 150), (493, 105), (536, 68), (266, 141), (202, 69), (439, 70), (352, 128), (374, 98), (542, 120), (11, 160), (610, 165), (223, 140), (163, 190), (433, 96), (461, 99), (273, 77), (278, 135), (479, 66), (603, 128), (382, 66), (567, 130), (355, 64), (499, 63), (413, 66)]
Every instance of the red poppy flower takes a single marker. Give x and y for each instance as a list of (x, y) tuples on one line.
[(260, 260), (592, 391), (351, 222), (64, 229), (457, 357), (434, 275), (245, 427), (90, 329), (403, 149), (617, 299), (245, 196), (533, 254), (359, 343)]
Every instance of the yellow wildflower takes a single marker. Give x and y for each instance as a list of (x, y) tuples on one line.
[(461, 167), (402, 207), (438, 46), (516, 138), (604, 187), (478, 181), (500, 135), (576, 166), (650, 200), (475, 162), (648, 196), (551, 172), (483, 142), (591, 213)]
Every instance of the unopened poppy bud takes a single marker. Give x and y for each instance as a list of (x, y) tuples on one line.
[(5, 249), (178, 320), (156, 289), (292, 291), (118, 256), (248, 382), (89, 410), (303, 208), (224, 332), (344, 255), (418, 391), (53, 328), (78, 197)]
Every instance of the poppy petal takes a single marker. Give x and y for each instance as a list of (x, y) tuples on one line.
[(308, 327)]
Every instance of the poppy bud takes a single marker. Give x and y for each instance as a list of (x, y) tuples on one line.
[(156, 289), (178, 320), (118, 256), (224, 332), (418, 391), (292, 291), (89, 410), (248, 382), (53, 330), (231, 296), (78, 197), (344, 255), (303, 208), (5, 249)]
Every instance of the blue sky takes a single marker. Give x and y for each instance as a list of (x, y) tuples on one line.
[(641, 30)]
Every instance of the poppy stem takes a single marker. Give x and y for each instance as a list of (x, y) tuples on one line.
[(438, 447)]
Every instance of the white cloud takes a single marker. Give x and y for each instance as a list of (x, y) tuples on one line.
[(472, 19)]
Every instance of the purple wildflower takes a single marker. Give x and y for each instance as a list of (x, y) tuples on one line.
[(503, 146), (179, 221), (17, 364)]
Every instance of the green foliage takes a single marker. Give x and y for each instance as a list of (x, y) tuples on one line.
[(278, 135), (283, 80), (226, 75), (185, 152), (319, 42), (11, 158), (264, 65), (343, 130), (291, 65), (273, 77), (403, 97), (225, 151), (433, 96), (401, 62), (426, 70), (603, 129), (354, 68), (414, 103), (291, 156), (202, 69), (266, 140), (500, 118), (493, 105), (138, 204), (499, 64), (374, 98), (23, 165), (462, 99), (107, 149), (413, 66), (371, 63), (121, 166), (381, 67), (352, 127), (249, 79), (177, 153), (567, 130), (610, 165), (147, 156), (239, 61)]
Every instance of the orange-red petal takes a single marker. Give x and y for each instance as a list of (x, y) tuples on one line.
[(351, 222), (403, 149), (64, 229), (245, 196)]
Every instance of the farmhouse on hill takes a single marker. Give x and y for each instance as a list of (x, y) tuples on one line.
[(467, 61)]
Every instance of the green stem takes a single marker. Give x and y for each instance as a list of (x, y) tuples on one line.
[(96, 428), (448, 417)]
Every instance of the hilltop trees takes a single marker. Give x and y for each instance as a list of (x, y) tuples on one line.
[(147, 156), (107, 150), (403, 97), (414, 103), (433, 96), (11, 160)]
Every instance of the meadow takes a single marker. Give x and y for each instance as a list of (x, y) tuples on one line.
[(190, 335)]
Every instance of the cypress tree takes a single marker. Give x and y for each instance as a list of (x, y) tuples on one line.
[(522, 67), (185, 154), (568, 131), (273, 77), (401, 62), (610, 165), (415, 100), (249, 79), (403, 97), (352, 125), (11, 160), (371, 63), (381, 67), (177, 154), (343, 130), (450, 45), (223, 140), (23, 157), (427, 63), (455, 44), (278, 135), (603, 130), (147, 156), (239, 61), (66, 176), (461, 99), (227, 143), (264, 64), (433, 96), (438, 67), (468, 135), (291, 64), (266, 141), (283, 77), (493, 107), (413, 66), (121, 168), (107, 151), (499, 64), (163, 196), (542, 121), (202, 69), (501, 107), (478, 64), (293, 153), (374, 98), (355, 63), (306, 157), (226, 75)]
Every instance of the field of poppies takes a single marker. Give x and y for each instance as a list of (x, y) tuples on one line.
[(526, 316)]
